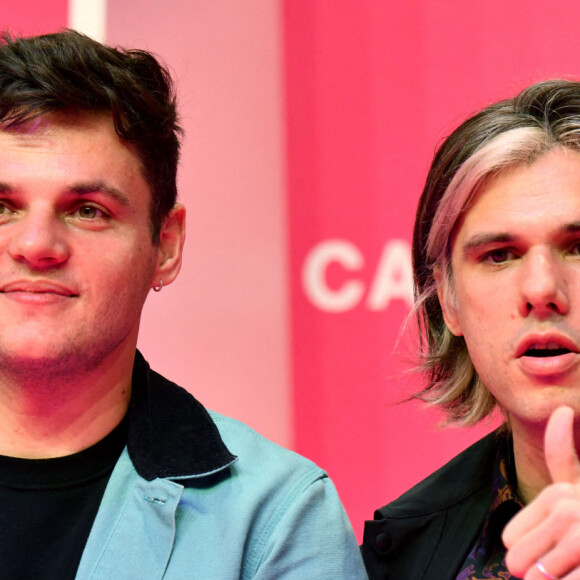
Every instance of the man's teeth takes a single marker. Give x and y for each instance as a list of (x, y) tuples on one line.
[(549, 346)]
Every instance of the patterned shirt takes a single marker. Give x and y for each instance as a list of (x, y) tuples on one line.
[(486, 560)]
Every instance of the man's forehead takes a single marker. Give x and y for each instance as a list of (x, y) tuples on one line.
[(48, 124), (55, 129), (76, 152), (543, 195)]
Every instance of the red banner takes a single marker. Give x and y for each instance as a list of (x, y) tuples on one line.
[(26, 17), (372, 87)]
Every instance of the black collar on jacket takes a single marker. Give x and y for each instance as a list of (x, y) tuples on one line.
[(429, 530), (170, 433)]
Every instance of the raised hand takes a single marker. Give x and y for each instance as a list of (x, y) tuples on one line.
[(543, 540)]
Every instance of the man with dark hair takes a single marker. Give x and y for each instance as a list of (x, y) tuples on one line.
[(107, 469), (496, 258)]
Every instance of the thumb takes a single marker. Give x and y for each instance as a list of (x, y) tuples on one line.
[(559, 447)]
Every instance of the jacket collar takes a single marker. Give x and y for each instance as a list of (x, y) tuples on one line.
[(171, 435), (429, 530)]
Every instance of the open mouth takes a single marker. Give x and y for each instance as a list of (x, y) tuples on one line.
[(547, 356), (546, 351)]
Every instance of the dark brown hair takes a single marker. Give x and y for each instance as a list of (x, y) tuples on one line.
[(69, 71)]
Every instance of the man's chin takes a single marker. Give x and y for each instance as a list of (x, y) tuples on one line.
[(27, 355), (49, 364)]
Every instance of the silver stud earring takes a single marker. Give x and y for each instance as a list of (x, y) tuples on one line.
[(158, 288)]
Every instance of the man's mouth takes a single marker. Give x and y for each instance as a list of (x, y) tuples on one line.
[(548, 355), (37, 287), (548, 350)]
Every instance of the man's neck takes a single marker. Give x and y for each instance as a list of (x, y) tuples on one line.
[(63, 414), (531, 468)]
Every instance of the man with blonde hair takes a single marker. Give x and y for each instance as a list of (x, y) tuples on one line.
[(496, 258)]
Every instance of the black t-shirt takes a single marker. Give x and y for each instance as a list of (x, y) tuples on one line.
[(48, 507)]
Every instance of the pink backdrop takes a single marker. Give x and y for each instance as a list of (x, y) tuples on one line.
[(33, 16), (311, 125), (371, 88)]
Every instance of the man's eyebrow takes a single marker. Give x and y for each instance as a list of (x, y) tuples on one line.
[(100, 187), (572, 228), (84, 189), (484, 239)]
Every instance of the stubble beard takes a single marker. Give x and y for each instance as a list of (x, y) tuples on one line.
[(69, 364), (68, 359), (79, 353)]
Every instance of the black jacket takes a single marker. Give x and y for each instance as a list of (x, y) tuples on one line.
[(428, 531)]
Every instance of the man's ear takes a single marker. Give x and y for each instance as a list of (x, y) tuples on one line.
[(447, 301), (171, 239)]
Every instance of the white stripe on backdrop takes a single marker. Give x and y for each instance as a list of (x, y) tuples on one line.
[(88, 16)]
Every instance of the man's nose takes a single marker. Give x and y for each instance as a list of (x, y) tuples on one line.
[(38, 239), (544, 287)]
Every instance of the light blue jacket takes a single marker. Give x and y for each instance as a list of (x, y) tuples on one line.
[(188, 500)]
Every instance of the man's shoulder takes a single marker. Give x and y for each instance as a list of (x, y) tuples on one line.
[(171, 434), (425, 533), (255, 452), (260, 502), (276, 501), (465, 475)]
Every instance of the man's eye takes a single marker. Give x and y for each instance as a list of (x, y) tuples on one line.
[(498, 256), (5, 209), (89, 212)]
